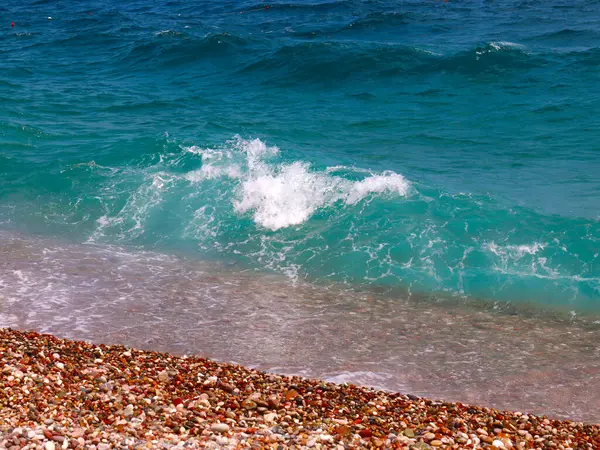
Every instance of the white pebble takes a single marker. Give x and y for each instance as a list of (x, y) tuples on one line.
[(128, 411), (222, 441), (219, 427), (270, 417), (50, 445), (163, 376)]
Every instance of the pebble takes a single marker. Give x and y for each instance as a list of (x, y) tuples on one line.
[(128, 411), (220, 427), (270, 417), (163, 376), (196, 403)]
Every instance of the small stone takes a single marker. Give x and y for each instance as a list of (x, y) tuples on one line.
[(409, 432), (219, 427), (365, 433), (77, 432), (270, 417), (462, 440), (249, 404), (291, 394), (326, 438), (507, 443), (420, 446), (50, 445), (128, 411), (436, 443), (103, 446), (163, 376), (428, 436), (274, 402)]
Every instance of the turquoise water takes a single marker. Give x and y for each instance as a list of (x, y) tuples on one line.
[(424, 147)]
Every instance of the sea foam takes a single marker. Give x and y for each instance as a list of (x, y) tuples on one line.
[(281, 194)]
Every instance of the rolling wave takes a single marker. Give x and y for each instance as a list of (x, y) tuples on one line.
[(169, 49), (247, 202), (336, 61)]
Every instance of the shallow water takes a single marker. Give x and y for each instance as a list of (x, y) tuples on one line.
[(513, 360)]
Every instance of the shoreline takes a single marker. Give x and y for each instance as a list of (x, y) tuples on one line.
[(57, 393), (160, 302)]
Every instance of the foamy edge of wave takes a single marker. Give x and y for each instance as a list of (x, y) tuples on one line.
[(281, 195)]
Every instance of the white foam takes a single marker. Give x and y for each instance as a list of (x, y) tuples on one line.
[(129, 221), (515, 251), (288, 197), (499, 45), (280, 195), (377, 184)]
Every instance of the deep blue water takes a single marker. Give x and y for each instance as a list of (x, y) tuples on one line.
[(445, 148)]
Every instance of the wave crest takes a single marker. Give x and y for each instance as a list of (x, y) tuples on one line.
[(280, 195)]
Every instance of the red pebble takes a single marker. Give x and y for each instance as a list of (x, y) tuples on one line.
[(177, 401), (365, 433)]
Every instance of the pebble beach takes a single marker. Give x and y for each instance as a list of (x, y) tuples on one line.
[(58, 394)]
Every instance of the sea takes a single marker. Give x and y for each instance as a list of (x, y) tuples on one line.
[(401, 194)]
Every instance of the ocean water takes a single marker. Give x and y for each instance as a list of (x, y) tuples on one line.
[(373, 157)]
